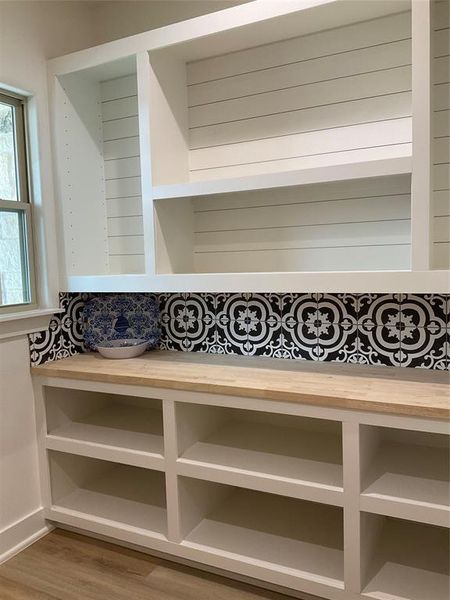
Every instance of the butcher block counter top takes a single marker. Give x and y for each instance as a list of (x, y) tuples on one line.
[(402, 391)]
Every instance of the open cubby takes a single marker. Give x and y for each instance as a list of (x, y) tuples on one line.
[(98, 154), (123, 494), (406, 466), (334, 107), (404, 559), (116, 421), (273, 531), (355, 225), (336, 96), (293, 449)]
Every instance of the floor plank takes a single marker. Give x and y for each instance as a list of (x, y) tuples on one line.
[(69, 566)]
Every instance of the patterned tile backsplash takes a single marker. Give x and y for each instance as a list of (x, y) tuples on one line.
[(403, 330)]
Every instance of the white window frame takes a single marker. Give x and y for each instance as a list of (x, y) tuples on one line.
[(22, 204)]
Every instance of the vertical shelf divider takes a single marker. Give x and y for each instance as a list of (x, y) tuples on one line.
[(170, 455), (421, 135), (143, 90), (352, 525)]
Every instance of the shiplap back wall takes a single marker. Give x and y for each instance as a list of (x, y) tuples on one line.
[(349, 225), (441, 134), (336, 96), (122, 174)]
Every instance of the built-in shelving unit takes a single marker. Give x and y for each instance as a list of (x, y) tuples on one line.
[(106, 426), (302, 538), (315, 113), (405, 559), (125, 495), (335, 502), (299, 457), (411, 469), (99, 169)]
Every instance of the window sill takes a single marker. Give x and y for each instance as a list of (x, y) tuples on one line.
[(24, 322)]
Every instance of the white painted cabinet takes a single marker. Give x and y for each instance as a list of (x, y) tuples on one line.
[(296, 146), (339, 503)]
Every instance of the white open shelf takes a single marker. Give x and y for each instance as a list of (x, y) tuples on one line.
[(361, 170), (407, 472), (295, 456), (350, 225), (292, 156), (120, 494), (268, 102), (405, 559), (99, 169), (299, 538), (109, 426)]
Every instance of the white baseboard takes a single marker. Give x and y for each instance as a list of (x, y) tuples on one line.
[(22, 533)]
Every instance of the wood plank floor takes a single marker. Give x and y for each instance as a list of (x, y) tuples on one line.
[(68, 566)]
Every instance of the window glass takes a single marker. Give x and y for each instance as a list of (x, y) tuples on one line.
[(14, 279), (8, 166)]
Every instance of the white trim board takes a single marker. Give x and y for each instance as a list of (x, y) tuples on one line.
[(21, 534)]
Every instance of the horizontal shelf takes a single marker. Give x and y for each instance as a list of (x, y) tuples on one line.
[(410, 561), (293, 462), (301, 539), (411, 481), (117, 493), (119, 432), (343, 172), (339, 281)]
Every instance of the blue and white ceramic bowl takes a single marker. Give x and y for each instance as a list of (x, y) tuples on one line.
[(122, 348), (119, 317)]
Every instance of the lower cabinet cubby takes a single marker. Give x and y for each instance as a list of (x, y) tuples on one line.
[(404, 559), (285, 449), (78, 419), (409, 467), (304, 539), (121, 494)]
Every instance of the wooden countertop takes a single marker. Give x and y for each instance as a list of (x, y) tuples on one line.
[(402, 391)]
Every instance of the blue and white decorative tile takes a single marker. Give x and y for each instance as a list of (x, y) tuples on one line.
[(338, 343), (336, 323), (231, 338), (424, 310), (119, 316), (338, 308), (300, 340), (379, 345), (378, 309), (299, 308), (200, 323), (264, 338), (231, 307), (265, 307), (171, 306), (424, 347), (173, 335), (201, 307), (64, 336), (300, 326)]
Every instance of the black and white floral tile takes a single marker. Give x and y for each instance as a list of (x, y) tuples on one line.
[(402, 330)]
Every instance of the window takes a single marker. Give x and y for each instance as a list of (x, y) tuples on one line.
[(16, 249)]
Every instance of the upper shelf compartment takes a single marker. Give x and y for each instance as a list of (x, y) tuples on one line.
[(99, 174), (339, 97)]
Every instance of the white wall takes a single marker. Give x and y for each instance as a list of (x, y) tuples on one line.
[(120, 18), (30, 32)]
